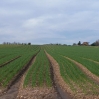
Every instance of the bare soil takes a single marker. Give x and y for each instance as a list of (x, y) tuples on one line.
[(61, 86), (12, 92), (43, 92), (59, 90), (37, 93), (63, 89), (15, 89)]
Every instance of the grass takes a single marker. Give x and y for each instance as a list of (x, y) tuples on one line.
[(39, 72), (71, 74), (8, 72), (78, 53)]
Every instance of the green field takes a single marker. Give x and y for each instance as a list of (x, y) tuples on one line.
[(10, 70), (39, 74), (72, 75)]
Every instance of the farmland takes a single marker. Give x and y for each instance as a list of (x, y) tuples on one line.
[(78, 81), (39, 73), (75, 69), (9, 71)]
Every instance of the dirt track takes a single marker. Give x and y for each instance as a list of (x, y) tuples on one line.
[(65, 90), (39, 92), (12, 92), (62, 88), (15, 89), (57, 91)]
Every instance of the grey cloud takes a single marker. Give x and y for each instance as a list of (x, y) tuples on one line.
[(32, 20)]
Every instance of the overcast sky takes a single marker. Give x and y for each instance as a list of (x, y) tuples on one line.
[(49, 21)]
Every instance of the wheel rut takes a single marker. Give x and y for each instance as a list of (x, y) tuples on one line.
[(62, 89), (13, 88), (58, 91), (39, 92)]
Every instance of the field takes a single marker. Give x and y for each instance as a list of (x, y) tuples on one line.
[(49, 72)]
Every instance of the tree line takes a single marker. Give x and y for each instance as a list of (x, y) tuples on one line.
[(16, 43), (96, 43)]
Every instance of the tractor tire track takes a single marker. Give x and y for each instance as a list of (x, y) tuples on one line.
[(22, 80), (13, 88), (36, 92), (62, 89)]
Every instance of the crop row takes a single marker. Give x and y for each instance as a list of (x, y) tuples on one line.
[(81, 55), (39, 72), (9, 71), (71, 74)]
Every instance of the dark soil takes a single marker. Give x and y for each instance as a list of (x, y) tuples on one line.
[(12, 92), (60, 93)]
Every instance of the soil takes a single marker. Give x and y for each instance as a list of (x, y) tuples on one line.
[(15, 89), (12, 92), (37, 93), (62, 88), (43, 92), (59, 90)]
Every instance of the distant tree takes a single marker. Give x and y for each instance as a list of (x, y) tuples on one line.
[(59, 44), (50, 44), (79, 43), (97, 43), (93, 44), (25, 43), (74, 44), (4, 43), (7, 43), (65, 44), (29, 43), (56, 44)]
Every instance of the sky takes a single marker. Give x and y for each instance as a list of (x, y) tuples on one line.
[(49, 21)]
